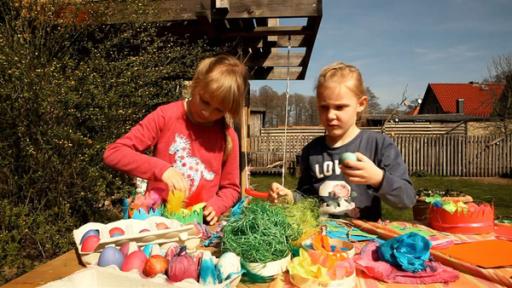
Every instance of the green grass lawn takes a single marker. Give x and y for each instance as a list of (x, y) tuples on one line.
[(479, 188)]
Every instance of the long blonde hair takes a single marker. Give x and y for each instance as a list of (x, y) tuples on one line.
[(344, 74), (225, 80)]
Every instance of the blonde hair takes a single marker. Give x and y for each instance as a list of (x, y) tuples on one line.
[(225, 81), (344, 74)]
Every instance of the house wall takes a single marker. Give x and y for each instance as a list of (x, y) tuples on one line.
[(483, 128), (430, 105)]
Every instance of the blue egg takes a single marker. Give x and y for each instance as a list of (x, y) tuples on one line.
[(111, 256), (88, 233), (348, 156)]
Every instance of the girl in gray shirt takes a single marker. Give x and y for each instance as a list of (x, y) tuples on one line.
[(353, 187)]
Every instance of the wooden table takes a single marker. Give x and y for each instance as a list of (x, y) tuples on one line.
[(67, 263)]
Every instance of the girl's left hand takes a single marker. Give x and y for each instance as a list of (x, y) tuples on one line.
[(362, 171), (210, 216)]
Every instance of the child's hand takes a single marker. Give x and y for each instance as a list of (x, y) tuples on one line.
[(210, 216), (278, 193), (363, 171), (175, 180)]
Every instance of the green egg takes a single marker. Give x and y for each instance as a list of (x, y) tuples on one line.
[(348, 156)]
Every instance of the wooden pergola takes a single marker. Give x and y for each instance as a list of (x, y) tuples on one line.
[(257, 29)]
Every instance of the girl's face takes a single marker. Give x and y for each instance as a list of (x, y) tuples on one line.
[(338, 108), (203, 110)]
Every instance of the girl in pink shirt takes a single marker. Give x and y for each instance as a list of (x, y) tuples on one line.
[(195, 150)]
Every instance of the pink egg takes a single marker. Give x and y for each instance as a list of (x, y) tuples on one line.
[(134, 260), (161, 226), (116, 232), (88, 233), (125, 248), (90, 243)]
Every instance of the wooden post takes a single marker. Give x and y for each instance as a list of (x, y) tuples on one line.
[(244, 145)]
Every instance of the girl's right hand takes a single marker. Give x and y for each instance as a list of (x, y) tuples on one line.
[(278, 193), (175, 180)]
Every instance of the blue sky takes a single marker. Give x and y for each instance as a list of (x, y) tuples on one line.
[(399, 43)]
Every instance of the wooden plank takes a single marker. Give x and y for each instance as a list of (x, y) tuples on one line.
[(269, 31), (312, 25), (108, 12), (58, 268), (276, 57), (274, 8), (278, 73)]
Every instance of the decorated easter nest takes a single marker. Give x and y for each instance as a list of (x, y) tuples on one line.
[(474, 219), (455, 196)]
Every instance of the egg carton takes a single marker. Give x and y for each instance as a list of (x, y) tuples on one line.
[(111, 276), (153, 230)]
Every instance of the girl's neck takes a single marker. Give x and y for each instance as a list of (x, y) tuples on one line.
[(347, 137)]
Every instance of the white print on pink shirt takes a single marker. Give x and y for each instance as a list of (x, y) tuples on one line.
[(191, 167)]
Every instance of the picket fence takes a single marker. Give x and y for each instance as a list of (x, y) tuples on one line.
[(441, 155)]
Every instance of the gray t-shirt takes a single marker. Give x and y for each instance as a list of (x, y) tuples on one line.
[(321, 176)]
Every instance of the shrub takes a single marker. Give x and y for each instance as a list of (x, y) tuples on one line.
[(66, 91)]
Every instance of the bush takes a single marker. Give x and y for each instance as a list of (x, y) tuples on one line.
[(66, 91), (420, 173)]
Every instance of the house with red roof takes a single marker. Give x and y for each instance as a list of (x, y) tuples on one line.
[(471, 99)]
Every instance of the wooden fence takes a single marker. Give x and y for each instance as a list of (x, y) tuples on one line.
[(442, 155)]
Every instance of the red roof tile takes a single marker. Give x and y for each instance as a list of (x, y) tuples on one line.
[(478, 98)]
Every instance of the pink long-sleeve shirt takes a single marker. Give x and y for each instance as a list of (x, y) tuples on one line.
[(195, 150)]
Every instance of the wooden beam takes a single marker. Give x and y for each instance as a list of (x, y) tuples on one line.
[(107, 12), (276, 58), (272, 22), (313, 25), (276, 73), (269, 31), (273, 8)]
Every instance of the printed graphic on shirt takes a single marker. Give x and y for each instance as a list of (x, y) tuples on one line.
[(335, 198), (191, 167), (327, 168)]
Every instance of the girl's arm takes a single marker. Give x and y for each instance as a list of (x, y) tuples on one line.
[(126, 154), (396, 188), (229, 188)]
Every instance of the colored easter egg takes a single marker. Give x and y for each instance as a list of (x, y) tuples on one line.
[(228, 265), (116, 232), (144, 230), (90, 232), (90, 243), (172, 250), (111, 256), (182, 266), (155, 264), (207, 270), (348, 156), (161, 226), (134, 260), (128, 247)]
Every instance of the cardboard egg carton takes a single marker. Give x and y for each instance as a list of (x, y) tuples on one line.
[(154, 230), (111, 276)]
